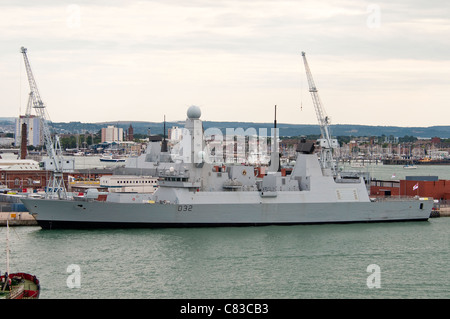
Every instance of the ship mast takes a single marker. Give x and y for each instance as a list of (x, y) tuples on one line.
[(7, 256), (164, 141), (326, 142), (275, 153)]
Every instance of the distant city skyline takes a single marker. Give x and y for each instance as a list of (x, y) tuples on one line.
[(374, 63)]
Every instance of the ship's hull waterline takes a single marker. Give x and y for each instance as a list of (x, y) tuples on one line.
[(55, 214), (194, 191)]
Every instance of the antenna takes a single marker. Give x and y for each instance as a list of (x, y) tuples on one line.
[(274, 165), (164, 142), (275, 119)]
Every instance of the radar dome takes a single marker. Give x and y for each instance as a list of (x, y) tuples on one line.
[(194, 112)]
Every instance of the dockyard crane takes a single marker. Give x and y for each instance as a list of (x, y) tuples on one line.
[(326, 143), (29, 105), (55, 185)]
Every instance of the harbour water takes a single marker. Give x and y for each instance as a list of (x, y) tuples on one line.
[(376, 261), (405, 260)]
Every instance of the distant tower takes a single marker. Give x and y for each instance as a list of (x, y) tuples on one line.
[(34, 130), (130, 133), (23, 144), (112, 134)]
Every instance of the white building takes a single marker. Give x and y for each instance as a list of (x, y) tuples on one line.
[(7, 141), (33, 130), (112, 134), (67, 164)]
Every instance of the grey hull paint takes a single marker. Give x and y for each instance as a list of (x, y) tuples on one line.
[(76, 214), (195, 191)]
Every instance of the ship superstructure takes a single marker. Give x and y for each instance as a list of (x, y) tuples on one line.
[(193, 191)]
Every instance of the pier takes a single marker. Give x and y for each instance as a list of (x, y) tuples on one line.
[(441, 212), (398, 161), (17, 219)]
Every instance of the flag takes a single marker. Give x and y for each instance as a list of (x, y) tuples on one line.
[(416, 186)]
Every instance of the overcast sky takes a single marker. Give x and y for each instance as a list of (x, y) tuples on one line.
[(375, 63)]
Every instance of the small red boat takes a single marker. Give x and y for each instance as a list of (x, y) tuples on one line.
[(19, 286)]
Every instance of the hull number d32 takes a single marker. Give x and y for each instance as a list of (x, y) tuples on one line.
[(184, 208)]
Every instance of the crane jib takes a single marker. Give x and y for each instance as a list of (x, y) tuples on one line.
[(55, 185), (326, 143)]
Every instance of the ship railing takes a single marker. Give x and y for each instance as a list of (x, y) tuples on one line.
[(348, 180), (444, 202), (398, 198), (16, 292), (438, 204), (269, 189)]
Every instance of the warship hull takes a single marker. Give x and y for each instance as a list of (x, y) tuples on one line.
[(194, 191), (56, 214)]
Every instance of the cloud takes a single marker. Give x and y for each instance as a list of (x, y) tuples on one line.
[(109, 60)]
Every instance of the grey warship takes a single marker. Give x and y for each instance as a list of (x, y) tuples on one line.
[(196, 192)]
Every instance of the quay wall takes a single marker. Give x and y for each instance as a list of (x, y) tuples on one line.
[(17, 219)]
